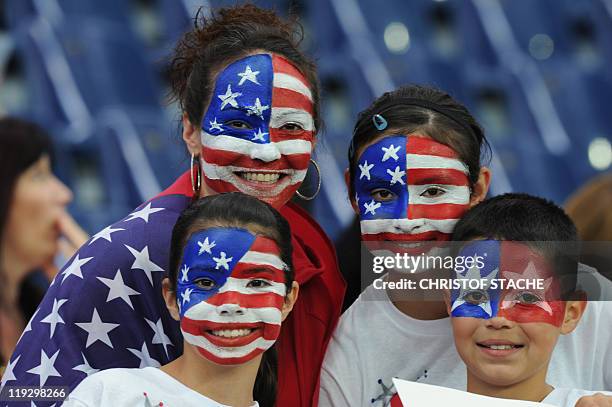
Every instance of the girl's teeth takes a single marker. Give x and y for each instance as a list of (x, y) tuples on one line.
[(501, 347), (260, 176), (232, 333)]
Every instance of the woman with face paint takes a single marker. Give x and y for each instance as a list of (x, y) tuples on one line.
[(250, 102), (230, 285), (414, 170)]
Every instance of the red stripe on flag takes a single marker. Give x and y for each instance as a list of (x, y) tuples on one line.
[(427, 146), (436, 211), (258, 271), (264, 244), (282, 97), (263, 300), (445, 176), (406, 237), (281, 65), (277, 135), (225, 158)]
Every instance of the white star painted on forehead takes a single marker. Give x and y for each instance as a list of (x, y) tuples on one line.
[(46, 368), (97, 330), (259, 135), (390, 152), (144, 356), (74, 269), (85, 367), (8, 372), (143, 213), (118, 289), (184, 272), (215, 126), (248, 75), (530, 274), (186, 295), (205, 246), (160, 336), (396, 176), (143, 262), (257, 109), (222, 261), (371, 207), (104, 234), (54, 317), (365, 169), (229, 98), (474, 274)]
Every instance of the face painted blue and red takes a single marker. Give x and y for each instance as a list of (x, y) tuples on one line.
[(258, 130)]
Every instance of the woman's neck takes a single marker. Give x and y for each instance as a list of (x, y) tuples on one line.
[(12, 271), (426, 305), (533, 388), (230, 385)]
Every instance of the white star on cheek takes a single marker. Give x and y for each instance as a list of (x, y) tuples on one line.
[(259, 135), (229, 98), (257, 109), (184, 272), (371, 207), (186, 295), (248, 75), (365, 170), (390, 152), (215, 126), (396, 176), (206, 246), (222, 261)]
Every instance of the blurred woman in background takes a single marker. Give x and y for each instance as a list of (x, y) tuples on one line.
[(33, 219)]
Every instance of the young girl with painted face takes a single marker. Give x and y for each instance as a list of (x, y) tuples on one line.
[(250, 109), (230, 285), (414, 170)]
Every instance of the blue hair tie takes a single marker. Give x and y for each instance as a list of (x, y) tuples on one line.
[(379, 122)]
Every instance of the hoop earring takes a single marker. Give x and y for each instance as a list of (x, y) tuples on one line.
[(310, 198), (196, 182)]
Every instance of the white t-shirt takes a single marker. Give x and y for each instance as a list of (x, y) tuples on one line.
[(147, 387), (569, 397), (375, 342)]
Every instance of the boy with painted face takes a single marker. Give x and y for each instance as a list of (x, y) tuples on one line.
[(506, 336), (414, 170), (230, 286)]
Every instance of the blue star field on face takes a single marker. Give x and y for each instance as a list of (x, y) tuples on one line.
[(475, 302), (380, 180), (208, 260), (242, 99)]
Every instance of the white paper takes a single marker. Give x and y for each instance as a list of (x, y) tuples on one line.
[(415, 394)]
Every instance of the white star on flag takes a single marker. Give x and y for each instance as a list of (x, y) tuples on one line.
[(229, 98), (85, 367), (185, 295), (54, 317), (8, 372), (248, 75), (259, 135), (371, 207), (160, 336), (118, 289), (97, 330), (184, 272), (530, 274), (390, 152), (396, 175), (257, 109), (365, 169), (46, 368), (215, 126), (222, 261), (474, 274), (143, 262), (144, 356), (74, 269), (104, 234), (143, 213), (205, 246)]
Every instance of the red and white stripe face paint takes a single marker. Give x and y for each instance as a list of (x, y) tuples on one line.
[(258, 131), (231, 290), (410, 188)]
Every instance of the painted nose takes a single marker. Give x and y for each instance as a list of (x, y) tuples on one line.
[(230, 310), (265, 152), (408, 225)]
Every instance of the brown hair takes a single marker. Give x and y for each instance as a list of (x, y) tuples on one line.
[(229, 34)]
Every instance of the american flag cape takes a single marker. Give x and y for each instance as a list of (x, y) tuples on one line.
[(105, 309)]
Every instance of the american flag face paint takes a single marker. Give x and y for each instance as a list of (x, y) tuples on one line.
[(230, 291), (258, 131), (410, 188), (505, 261)]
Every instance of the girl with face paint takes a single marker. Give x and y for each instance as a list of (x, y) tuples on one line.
[(230, 285), (250, 112)]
